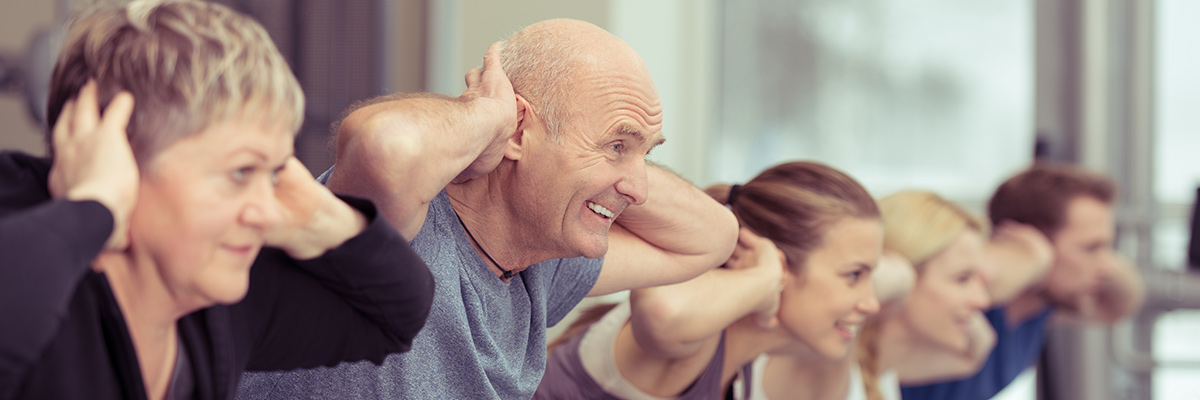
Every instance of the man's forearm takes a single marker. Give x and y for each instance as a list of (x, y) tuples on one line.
[(402, 152), (680, 218), (439, 135), (1013, 271), (1121, 294)]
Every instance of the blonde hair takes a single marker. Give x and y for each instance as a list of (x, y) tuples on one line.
[(918, 225), (189, 64)]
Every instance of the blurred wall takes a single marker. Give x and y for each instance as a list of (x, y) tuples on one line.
[(19, 21)]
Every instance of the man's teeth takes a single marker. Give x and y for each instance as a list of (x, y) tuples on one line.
[(599, 209), (853, 329)]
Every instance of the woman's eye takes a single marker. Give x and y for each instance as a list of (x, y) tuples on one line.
[(855, 276), (239, 175), (275, 174)]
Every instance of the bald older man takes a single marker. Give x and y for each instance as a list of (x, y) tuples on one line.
[(523, 195)]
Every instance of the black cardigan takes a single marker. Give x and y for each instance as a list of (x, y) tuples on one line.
[(62, 334)]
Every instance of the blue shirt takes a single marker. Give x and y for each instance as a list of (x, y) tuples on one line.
[(484, 339), (1016, 349)]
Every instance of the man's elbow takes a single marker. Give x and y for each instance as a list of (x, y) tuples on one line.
[(724, 239)]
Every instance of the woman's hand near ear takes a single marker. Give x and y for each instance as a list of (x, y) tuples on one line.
[(93, 159), (759, 256), (893, 278)]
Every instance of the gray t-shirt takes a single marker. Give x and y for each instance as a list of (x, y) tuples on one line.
[(484, 339)]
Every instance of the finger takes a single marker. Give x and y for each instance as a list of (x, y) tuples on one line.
[(86, 109), (491, 59), (746, 238), (116, 116), (62, 128), (473, 76), (293, 172)]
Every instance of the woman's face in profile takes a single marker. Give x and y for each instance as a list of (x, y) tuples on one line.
[(948, 293), (826, 305), (203, 206)]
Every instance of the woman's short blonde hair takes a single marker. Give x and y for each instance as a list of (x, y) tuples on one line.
[(919, 225), (189, 64)]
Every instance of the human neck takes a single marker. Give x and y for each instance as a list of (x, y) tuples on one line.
[(897, 343), (485, 212), (1026, 305), (805, 377), (150, 312), (745, 341)]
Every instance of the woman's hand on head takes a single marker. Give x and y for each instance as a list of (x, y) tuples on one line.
[(757, 255), (312, 219), (893, 279), (93, 159)]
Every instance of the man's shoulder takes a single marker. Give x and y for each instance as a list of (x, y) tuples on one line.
[(440, 220)]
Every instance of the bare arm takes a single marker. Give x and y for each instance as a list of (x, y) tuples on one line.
[(669, 321), (1121, 294), (677, 234), (402, 151), (674, 330), (1016, 258)]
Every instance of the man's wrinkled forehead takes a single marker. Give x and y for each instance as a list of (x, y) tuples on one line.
[(639, 135)]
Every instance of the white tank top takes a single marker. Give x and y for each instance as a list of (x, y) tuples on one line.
[(889, 383)]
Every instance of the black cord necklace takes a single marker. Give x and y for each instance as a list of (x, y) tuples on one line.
[(507, 275)]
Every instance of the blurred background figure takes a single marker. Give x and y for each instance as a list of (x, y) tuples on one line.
[(939, 331)]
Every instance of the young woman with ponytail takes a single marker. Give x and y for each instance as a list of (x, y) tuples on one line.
[(931, 329), (798, 284)]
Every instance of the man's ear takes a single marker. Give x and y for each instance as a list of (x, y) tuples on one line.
[(526, 120)]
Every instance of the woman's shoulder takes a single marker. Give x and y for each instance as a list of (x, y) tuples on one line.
[(22, 180)]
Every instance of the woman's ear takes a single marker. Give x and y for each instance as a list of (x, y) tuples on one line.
[(526, 120)]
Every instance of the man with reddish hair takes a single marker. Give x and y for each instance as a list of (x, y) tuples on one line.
[(1062, 262)]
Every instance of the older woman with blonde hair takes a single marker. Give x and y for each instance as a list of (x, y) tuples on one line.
[(170, 244)]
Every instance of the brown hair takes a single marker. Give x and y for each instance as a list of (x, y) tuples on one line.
[(793, 204), (917, 225), (188, 64), (1039, 195)]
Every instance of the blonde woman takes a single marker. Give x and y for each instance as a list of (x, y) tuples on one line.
[(171, 243), (943, 312)]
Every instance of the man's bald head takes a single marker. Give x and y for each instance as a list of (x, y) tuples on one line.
[(545, 60)]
